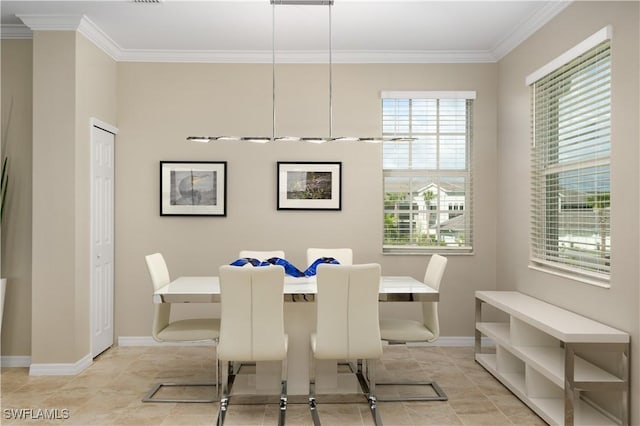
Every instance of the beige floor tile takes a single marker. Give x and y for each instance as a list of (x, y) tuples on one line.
[(110, 392), (488, 419), (245, 415), (90, 418), (12, 378), (516, 411), (482, 405), (462, 392), (391, 413), (199, 409), (430, 413), (340, 414), (297, 415), (188, 420), (148, 414)]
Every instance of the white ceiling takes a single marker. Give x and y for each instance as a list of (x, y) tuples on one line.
[(241, 30)]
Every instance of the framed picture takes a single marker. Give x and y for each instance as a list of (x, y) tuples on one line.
[(309, 186), (193, 188)]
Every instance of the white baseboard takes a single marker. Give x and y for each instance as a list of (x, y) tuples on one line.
[(9, 361), (149, 341), (61, 369), (442, 341), (464, 341), (15, 361)]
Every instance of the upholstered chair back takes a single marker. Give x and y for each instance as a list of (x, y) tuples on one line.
[(261, 255), (347, 312), (342, 255), (432, 278), (159, 274), (251, 312)]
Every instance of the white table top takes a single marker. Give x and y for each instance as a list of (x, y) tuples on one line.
[(207, 289)]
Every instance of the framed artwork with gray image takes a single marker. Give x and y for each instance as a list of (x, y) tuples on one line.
[(193, 188)]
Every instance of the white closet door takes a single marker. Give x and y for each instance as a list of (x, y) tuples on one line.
[(102, 236)]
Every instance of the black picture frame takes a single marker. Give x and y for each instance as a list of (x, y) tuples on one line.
[(193, 188), (309, 185)]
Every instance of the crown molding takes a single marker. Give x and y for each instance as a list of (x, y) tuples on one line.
[(302, 57), (525, 29), (15, 31), (51, 22), (98, 37), (79, 23), (93, 33)]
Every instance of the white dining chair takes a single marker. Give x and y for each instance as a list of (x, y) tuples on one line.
[(347, 326), (261, 255), (342, 255), (186, 330), (252, 325), (400, 331)]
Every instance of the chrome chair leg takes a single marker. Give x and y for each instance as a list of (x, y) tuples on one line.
[(149, 396), (313, 404), (228, 377), (440, 395), (283, 394), (367, 380)]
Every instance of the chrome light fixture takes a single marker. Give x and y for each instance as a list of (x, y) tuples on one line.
[(272, 138)]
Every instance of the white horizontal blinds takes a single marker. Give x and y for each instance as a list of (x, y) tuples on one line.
[(571, 143), (427, 179)]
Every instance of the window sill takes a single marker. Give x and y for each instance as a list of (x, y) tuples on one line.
[(602, 283)]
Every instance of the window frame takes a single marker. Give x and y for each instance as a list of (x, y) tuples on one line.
[(437, 175), (541, 253)]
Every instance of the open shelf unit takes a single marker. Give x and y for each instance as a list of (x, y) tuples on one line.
[(535, 358)]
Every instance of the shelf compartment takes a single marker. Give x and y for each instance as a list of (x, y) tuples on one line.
[(515, 381), (488, 361), (550, 363), (507, 363), (523, 334), (552, 411), (498, 331), (538, 386)]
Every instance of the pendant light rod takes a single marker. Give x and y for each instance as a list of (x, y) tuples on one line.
[(261, 139), (330, 79), (273, 71)]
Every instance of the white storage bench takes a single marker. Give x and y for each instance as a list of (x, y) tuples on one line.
[(535, 358)]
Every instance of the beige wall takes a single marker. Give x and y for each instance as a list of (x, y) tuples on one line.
[(16, 226), (160, 104), (96, 77), (617, 306), (72, 81), (53, 268)]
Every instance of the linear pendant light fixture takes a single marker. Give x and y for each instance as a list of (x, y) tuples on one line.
[(272, 138)]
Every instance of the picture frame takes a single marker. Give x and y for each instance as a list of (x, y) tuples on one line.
[(309, 185), (193, 188)]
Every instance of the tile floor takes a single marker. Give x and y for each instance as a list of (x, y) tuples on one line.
[(109, 392)]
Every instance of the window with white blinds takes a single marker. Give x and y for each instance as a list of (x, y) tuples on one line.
[(570, 152), (427, 176)]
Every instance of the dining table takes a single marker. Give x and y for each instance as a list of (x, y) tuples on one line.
[(299, 316)]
